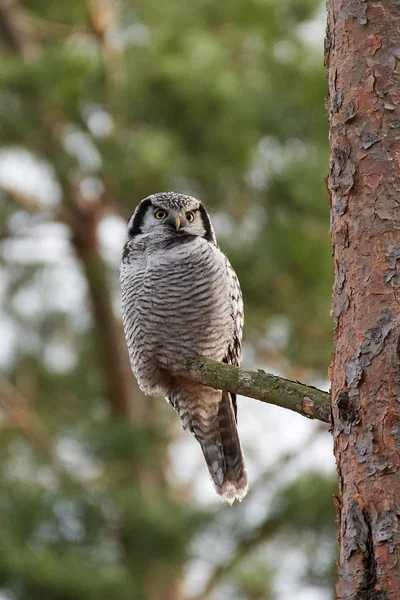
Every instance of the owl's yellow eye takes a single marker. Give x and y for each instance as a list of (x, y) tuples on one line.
[(189, 217), (160, 214)]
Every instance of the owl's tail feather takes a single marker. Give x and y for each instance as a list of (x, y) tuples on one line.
[(223, 453)]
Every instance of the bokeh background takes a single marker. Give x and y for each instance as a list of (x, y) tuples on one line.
[(102, 103)]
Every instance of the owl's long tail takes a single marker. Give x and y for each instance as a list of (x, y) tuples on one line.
[(219, 441)]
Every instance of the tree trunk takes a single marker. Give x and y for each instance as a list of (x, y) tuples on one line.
[(120, 388), (362, 54)]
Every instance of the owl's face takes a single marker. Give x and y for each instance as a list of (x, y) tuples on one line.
[(170, 214)]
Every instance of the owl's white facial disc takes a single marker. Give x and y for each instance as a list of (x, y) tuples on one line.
[(171, 215)]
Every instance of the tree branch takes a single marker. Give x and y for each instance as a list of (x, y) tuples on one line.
[(20, 415), (14, 31), (121, 391), (244, 546), (306, 400)]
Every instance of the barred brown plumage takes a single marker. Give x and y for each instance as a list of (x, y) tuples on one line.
[(181, 299)]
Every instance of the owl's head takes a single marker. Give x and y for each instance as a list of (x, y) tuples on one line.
[(171, 214)]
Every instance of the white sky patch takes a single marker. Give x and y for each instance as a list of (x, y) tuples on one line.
[(289, 574), (197, 573), (223, 224), (279, 431), (58, 287), (66, 291), (47, 477), (312, 32), (8, 342), (136, 34), (252, 223), (277, 334), (111, 234), (76, 460), (25, 173), (99, 121), (30, 252), (27, 302), (6, 596), (79, 145), (285, 51), (91, 189), (41, 243), (69, 519), (272, 157), (59, 357)]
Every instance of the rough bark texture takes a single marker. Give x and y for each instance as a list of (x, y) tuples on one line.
[(362, 57), (305, 400)]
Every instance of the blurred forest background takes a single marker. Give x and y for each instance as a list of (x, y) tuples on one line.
[(102, 103)]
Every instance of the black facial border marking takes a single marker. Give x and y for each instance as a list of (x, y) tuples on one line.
[(125, 254), (135, 228), (209, 233)]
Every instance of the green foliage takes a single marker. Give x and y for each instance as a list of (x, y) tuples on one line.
[(307, 502), (190, 111), (254, 580), (221, 100)]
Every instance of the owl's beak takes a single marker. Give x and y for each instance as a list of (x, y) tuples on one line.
[(177, 223)]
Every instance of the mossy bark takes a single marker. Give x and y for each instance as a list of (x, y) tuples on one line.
[(305, 400)]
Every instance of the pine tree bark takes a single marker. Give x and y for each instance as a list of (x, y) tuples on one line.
[(362, 57)]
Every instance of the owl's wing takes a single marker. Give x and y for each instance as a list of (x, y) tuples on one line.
[(234, 351)]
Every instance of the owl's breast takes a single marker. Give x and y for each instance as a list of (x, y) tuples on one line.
[(186, 302)]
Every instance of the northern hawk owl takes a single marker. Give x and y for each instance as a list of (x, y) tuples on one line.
[(181, 299)]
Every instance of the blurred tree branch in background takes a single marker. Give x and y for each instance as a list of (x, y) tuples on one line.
[(122, 392), (121, 389), (21, 415), (243, 548), (15, 31), (281, 515)]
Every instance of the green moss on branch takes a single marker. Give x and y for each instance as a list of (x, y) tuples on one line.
[(305, 400)]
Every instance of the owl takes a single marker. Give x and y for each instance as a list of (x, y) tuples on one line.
[(181, 299)]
